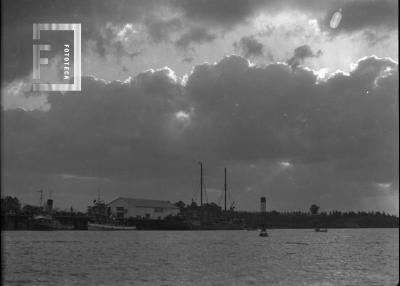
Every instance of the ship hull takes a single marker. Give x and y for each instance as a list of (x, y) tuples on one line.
[(49, 223), (96, 226)]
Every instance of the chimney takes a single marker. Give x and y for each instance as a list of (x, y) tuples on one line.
[(49, 205), (263, 205)]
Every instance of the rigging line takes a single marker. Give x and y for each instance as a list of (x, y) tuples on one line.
[(205, 192), (220, 198), (195, 194), (230, 196), (231, 199)]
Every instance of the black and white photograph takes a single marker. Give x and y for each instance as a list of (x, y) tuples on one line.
[(199, 142)]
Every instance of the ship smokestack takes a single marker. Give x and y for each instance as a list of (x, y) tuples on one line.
[(263, 205), (49, 205)]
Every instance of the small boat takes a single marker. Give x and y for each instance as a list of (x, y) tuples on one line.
[(47, 222), (42, 222), (263, 233), (97, 226), (318, 229)]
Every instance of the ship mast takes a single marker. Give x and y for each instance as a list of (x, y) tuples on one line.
[(201, 194), (41, 197), (225, 190), (201, 183)]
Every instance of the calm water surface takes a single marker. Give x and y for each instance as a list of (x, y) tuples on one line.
[(286, 257)]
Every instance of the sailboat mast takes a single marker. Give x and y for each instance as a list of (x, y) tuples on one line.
[(41, 197), (225, 190), (201, 183)]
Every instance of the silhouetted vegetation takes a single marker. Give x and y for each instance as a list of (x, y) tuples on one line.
[(297, 219), (10, 205), (333, 219)]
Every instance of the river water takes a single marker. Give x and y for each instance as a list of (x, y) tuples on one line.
[(286, 257)]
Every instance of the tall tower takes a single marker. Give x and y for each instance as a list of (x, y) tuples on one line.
[(225, 191), (263, 205), (263, 217), (201, 184)]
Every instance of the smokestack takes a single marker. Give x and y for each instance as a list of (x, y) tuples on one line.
[(263, 205), (49, 205)]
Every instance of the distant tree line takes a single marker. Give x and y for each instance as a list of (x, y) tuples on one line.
[(298, 219), (332, 219)]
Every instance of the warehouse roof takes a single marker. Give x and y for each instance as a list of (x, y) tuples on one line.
[(146, 203)]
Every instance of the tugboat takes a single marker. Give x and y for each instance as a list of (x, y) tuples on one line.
[(43, 222), (96, 226), (101, 219), (47, 222)]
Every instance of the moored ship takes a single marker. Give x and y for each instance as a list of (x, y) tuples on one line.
[(97, 226), (210, 216), (45, 222), (125, 213)]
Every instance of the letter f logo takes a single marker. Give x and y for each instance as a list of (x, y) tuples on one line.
[(37, 60)]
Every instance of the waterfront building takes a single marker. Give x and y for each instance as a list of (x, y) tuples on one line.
[(122, 208)]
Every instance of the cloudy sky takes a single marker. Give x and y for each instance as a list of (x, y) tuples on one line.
[(298, 110)]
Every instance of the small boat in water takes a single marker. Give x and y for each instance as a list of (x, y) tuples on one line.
[(263, 233), (97, 226), (47, 222), (43, 222), (318, 229)]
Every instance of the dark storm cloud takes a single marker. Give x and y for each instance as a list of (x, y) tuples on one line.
[(160, 30), (196, 35), (249, 46), (207, 15), (126, 117), (153, 126), (276, 112), (357, 14), (226, 13), (229, 13), (300, 54)]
